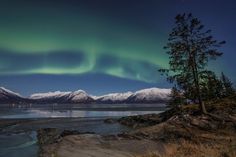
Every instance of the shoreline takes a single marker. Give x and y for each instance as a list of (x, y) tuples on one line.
[(168, 134), (15, 133)]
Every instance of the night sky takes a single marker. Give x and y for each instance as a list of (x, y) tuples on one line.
[(100, 46)]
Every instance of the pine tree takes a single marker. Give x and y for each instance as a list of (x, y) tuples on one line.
[(211, 87), (190, 48), (227, 85), (176, 98)]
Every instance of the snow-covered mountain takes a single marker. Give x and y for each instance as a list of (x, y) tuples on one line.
[(79, 96), (113, 97), (7, 96), (150, 95)]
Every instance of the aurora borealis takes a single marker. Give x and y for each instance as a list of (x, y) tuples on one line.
[(44, 44)]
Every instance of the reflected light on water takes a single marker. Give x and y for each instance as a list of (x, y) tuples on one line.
[(36, 113)]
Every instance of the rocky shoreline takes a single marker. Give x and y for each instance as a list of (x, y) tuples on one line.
[(168, 134)]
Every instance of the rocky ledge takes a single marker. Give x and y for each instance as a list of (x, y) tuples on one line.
[(175, 133)]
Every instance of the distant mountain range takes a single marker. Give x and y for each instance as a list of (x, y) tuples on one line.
[(7, 96), (151, 95)]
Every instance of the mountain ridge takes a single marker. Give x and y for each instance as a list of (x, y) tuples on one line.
[(149, 95)]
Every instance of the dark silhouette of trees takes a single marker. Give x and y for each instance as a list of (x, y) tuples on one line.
[(228, 89), (190, 47), (176, 98), (211, 87), (216, 88)]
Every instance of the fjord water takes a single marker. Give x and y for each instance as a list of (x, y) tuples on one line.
[(12, 111), (21, 138), (21, 144)]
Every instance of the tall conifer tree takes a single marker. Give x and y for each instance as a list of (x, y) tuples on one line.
[(190, 47)]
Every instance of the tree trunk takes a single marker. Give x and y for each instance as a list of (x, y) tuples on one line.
[(197, 86), (202, 106)]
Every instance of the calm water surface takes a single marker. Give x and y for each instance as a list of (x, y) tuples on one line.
[(21, 139), (67, 110)]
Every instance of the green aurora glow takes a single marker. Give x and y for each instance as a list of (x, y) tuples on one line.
[(118, 38), (93, 36)]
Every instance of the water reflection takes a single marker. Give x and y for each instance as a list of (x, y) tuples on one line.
[(36, 113), (15, 144), (73, 110)]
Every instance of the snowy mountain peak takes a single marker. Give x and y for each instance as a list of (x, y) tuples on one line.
[(154, 91), (7, 91), (48, 95), (78, 96), (79, 92), (150, 95), (113, 97), (8, 96)]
